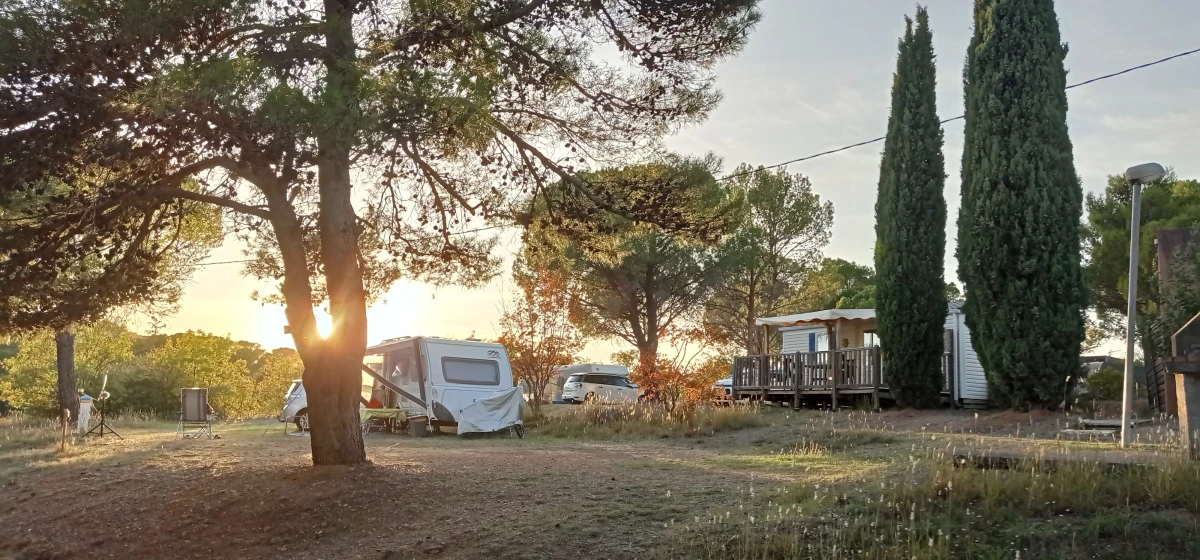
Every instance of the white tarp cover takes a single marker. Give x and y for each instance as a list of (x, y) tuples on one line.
[(494, 413), (818, 317)]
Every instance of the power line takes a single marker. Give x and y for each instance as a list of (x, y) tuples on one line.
[(881, 138), (817, 155)]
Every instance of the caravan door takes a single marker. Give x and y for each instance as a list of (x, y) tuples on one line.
[(402, 368)]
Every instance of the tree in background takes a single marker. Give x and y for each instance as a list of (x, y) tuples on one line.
[(439, 113), (1018, 232), (837, 284), (768, 256), (635, 280), (145, 374), (536, 328), (32, 376), (1167, 202), (93, 284), (627, 358), (273, 373), (910, 227)]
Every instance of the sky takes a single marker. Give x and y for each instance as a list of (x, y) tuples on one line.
[(816, 75)]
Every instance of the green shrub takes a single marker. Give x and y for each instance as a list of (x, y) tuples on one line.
[(1106, 384)]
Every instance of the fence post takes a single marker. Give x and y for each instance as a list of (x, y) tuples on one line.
[(733, 377), (948, 343), (798, 371), (764, 376), (835, 363), (876, 375)]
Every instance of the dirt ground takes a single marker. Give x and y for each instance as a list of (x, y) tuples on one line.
[(254, 494)]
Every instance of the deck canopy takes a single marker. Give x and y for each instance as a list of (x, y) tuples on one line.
[(823, 317)]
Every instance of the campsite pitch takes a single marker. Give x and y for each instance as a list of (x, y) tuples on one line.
[(558, 493)]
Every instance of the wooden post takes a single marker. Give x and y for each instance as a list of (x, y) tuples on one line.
[(948, 343), (1169, 243), (764, 375), (876, 375), (835, 364), (733, 378), (798, 369)]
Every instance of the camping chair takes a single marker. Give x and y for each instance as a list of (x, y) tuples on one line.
[(195, 417)]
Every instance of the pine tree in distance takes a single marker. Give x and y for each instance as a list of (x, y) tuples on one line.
[(910, 227), (1018, 228)]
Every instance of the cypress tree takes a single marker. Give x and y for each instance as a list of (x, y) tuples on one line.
[(1018, 228), (910, 227)]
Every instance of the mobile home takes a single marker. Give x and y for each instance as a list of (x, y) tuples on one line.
[(836, 352)]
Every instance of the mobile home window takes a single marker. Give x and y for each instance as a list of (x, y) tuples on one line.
[(471, 372)]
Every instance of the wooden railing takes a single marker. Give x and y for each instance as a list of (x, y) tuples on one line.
[(849, 368)]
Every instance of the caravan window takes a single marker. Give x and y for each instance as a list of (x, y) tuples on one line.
[(471, 372)]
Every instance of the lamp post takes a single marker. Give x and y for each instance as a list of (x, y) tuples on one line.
[(1137, 176)]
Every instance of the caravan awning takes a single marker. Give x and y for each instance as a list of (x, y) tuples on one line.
[(817, 317)]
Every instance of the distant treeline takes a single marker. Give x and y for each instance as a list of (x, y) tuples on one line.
[(146, 372)]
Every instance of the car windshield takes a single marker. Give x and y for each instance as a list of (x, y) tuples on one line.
[(575, 379), (292, 390)]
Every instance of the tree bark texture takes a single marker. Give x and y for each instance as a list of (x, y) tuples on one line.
[(331, 372), (68, 398)]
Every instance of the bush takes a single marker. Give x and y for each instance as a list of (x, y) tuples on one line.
[(1106, 384)]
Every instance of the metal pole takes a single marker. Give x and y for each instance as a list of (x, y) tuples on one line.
[(1131, 312)]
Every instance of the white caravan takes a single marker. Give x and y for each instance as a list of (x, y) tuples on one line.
[(439, 377)]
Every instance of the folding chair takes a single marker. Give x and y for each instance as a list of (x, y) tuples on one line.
[(195, 418)]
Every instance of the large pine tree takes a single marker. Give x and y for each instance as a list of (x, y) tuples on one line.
[(910, 227), (1018, 228)]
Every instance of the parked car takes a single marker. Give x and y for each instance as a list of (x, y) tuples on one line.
[(295, 405), (585, 387), (723, 390)]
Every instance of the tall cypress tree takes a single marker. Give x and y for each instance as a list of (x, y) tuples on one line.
[(910, 227), (1018, 228)]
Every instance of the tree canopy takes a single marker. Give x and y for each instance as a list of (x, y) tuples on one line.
[(1167, 202), (352, 142), (636, 280), (910, 227), (766, 259), (1018, 227)]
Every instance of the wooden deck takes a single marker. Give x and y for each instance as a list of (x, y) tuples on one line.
[(850, 371)]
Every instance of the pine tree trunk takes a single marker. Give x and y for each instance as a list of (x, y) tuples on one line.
[(332, 375), (68, 399), (332, 381)]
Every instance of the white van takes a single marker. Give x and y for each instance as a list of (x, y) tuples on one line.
[(604, 382), (438, 377)]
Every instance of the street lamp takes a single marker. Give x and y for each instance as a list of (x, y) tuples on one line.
[(1137, 176)]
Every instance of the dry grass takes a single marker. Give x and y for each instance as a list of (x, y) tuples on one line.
[(763, 484), (607, 421), (923, 507)]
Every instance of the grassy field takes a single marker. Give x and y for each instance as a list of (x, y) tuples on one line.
[(605, 482)]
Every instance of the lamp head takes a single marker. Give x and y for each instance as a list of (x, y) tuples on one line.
[(1144, 173)]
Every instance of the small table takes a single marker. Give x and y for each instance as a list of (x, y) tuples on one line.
[(366, 414)]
